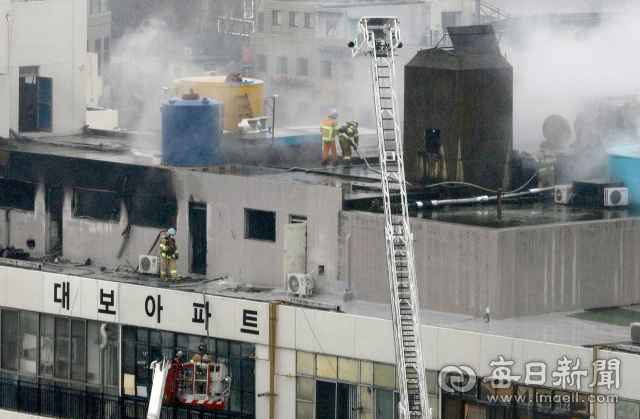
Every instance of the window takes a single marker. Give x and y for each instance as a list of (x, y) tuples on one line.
[(335, 387), (309, 20), (347, 71), (303, 67), (293, 19), (141, 346), (261, 62), (17, 194), (275, 17), (35, 101), (55, 347), (98, 205), (281, 65), (153, 211), (325, 69), (260, 22), (260, 225), (332, 28)]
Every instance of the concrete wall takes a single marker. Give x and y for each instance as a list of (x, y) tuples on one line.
[(516, 271), (228, 252), (53, 35), (24, 225)]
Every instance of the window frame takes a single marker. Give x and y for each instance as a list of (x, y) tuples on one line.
[(293, 19), (269, 236), (276, 18), (309, 20)]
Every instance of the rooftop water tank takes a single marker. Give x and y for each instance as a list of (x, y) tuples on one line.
[(624, 165), (191, 131), (242, 97)]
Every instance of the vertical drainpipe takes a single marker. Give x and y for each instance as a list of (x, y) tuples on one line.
[(595, 380), (272, 356)]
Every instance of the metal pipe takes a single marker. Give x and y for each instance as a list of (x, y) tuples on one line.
[(349, 261), (499, 205), (272, 356), (477, 199)]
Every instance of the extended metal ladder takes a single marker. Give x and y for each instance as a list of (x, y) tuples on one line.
[(380, 37)]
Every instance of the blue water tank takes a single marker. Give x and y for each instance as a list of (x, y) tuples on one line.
[(624, 165), (191, 131)]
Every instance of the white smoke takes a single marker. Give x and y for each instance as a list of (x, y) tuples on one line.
[(558, 68)]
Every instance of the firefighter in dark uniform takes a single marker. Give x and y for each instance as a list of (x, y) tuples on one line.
[(346, 133), (546, 158), (169, 255)]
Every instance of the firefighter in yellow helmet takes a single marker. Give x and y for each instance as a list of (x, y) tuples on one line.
[(328, 131), (546, 171), (348, 137), (169, 255)]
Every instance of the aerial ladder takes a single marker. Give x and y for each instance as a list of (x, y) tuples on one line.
[(379, 37)]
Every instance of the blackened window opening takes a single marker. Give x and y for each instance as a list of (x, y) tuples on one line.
[(153, 211), (99, 205), (260, 225), (17, 194)]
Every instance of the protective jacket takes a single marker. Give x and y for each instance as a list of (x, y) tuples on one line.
[(349, 130), (329, 128), (169, 249)]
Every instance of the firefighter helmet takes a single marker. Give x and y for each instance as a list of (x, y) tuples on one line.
[(334, 112), (202, 348), (354, 123), (171, 232), (205, 358)]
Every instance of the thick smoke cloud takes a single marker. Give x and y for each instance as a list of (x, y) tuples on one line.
[(560, 68)]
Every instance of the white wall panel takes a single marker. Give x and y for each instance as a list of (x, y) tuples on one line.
[(429, 336), (251, 321), (286, 327), (107, 297), (456, 347), (24, 289), (3, 286), (334, 333), (305, 319), (221, 325), (89, 298), (374, 340), (62, 294)]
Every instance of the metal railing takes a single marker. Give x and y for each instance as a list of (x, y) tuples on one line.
[(40, 399)]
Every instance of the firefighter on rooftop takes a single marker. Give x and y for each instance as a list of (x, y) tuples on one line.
[(169, 255), (546, 159), (348, 136), (329, 130)]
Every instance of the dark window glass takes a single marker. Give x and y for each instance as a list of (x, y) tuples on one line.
[(260, 225), (17, 194), (303, 67), (275, 17), (281, 65), (309, 21), (152, 211), (98, 205), (260, 22), (10, 346), (293, 19), (326, 400), (325, 69)]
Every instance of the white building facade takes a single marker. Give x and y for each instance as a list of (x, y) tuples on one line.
[(43, 66)]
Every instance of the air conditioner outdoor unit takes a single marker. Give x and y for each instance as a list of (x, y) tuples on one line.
[(563, 194), (149, 264), (616, 197), (299, 284)]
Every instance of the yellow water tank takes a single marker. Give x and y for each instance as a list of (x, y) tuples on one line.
[(242, 97)]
